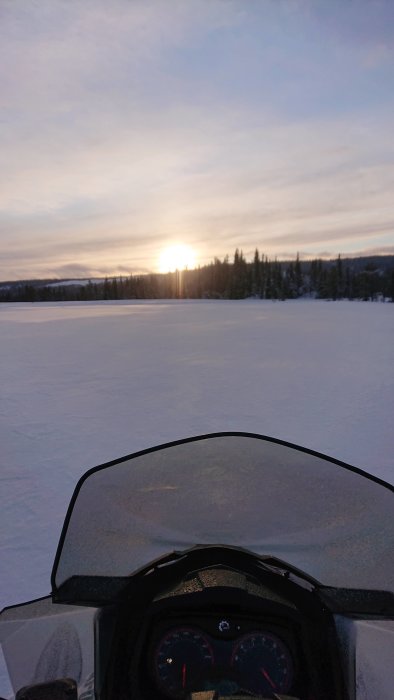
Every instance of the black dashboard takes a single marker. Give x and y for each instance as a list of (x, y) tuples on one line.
[(231, 654), (225, 631)]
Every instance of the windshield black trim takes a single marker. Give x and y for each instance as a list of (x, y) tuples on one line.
[(357, 601), (25, 603), (196, 438), (101, 590)]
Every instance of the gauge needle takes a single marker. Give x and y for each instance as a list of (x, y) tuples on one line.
[(267, 678), (184, 676)]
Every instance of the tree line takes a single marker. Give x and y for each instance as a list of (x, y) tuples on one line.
[(365, 279)]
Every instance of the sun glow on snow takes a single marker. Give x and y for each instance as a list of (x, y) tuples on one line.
[(177, 257)]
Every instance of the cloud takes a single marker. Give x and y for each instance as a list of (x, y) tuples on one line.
[(77, 271), (73, 270), (367, 23), (222, 124), (327, 235)]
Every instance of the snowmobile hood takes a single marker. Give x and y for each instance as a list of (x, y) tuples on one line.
[(328, 519)]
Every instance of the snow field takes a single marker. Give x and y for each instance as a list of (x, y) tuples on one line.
[(84, 383)]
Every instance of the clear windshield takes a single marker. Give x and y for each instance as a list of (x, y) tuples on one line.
[(319, 516)]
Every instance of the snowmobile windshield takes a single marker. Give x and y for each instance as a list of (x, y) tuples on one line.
[(329, 520)]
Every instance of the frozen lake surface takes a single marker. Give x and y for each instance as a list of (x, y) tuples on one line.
[(85, 383)]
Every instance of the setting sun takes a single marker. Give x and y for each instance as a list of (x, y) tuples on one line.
[(177, 257)]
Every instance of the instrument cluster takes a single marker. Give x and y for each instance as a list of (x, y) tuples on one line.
[(228, 654), (222, 630)]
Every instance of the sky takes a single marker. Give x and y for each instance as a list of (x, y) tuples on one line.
[(130, 126)]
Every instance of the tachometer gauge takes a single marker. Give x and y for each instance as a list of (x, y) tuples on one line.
[(263, 664), (182, 660)]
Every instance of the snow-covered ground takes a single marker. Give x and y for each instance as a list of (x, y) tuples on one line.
[(85, 383)]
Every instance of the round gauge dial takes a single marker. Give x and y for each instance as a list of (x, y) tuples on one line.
[(181, 661), (264, 664)]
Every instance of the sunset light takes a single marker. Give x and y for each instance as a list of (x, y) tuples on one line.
[(177, 257)]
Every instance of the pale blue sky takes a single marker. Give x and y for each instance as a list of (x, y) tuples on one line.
[(129, 125)]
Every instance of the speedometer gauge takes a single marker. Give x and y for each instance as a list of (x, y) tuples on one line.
[(263, 663), (181, 660)]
